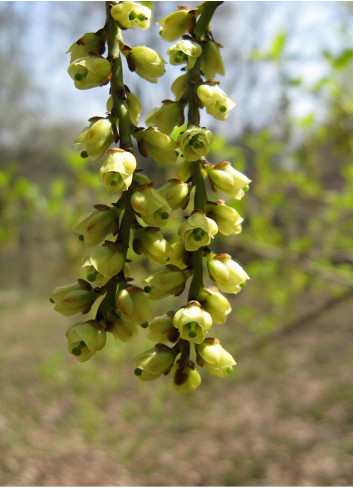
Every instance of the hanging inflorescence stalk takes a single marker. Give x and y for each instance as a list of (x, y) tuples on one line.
[(132, 224)]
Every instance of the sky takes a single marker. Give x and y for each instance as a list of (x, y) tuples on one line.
[(51, 27)]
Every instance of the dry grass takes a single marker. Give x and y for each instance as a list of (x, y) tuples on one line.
[(285, 417)]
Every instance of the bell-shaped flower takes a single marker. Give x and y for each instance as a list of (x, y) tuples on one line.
[(134, 106), (215, 303), (97, 225), (133, 304), (89, 72), (228, 220), (129, 15), (84, 340), (216, 360), (95, 139), (211, 60), (175, 25), (228, 274), (161, 329), (217, 102), (117, 170), (195, 142), (168, 281), (104, 262), (156, 144), (90, 42), (168, 116), (179, 257), (184, 51), (226, 178), (176, 193), (122, 329), (193, 322), (197, 231), (74, 298), (154, 362), (184, 170), (150, 205), (150, 242), (186, 380), (146, 62), (179, 86)]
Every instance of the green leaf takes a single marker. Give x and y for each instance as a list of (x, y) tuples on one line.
[(277, 45)]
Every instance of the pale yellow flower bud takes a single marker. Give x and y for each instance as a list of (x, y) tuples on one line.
[(176, 193), (227, 274), (150, 242), (97, 225), (123, 329), (134, 105), (74, 298), (88, 43), (168, 116), (117, 170), (146, 62), (228, 220), (130, 15), (179, 256), (193, 322), (187, 380), (184, 51), (217, 103), (211, 60), (184, 170), (134, 305), (179, 86), (161, 329), (215, 358), (197, 231), (175, 25), (84, 340), (195, 142), (89, 72), (150, 205), (155, 362), (103, 263), (95, 139), (226, 178), (215, 303), (168, 281), (157, 145)]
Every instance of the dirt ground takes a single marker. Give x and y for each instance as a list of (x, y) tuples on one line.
[(284, 418)]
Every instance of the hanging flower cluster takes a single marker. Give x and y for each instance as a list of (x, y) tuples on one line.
[(134, 221)]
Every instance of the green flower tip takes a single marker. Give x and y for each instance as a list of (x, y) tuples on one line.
[(92, 276), (144, 325), (80, 76), (147, 289), (51, 300), (78, 349), (192, 333), (140, 17), (230, 370), (81, 237), (84, 154), (198, 234), (138, 372), (164, 215)]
